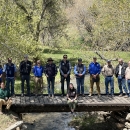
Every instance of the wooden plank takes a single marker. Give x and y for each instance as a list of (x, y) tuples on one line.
[(17, 100), (14, 126)]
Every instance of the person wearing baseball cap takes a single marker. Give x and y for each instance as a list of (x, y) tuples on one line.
[(79, 71)]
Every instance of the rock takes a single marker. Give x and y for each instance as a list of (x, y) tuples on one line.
[(128, 117), (127, 125)]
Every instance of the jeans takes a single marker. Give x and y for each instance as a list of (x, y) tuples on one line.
[(122, 84), (62, 83), (80, 85), (111, 81), (128, 84), (51, 82), (27, 78), (8, 82)]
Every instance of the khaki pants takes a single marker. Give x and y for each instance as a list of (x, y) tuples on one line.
[(38, 85), (92, 83), (7, 103), (72, 105)]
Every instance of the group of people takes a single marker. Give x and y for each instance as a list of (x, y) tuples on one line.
[(121, 71)]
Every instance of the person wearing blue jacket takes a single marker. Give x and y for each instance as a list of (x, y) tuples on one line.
[(38, 72), (1, 71), (94, 70), (79, 71)]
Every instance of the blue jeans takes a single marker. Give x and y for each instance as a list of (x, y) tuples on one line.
[(27, 78), (128, 84), (50, 82), (122, 84), (8, 82), (80, 84), (111, 81)]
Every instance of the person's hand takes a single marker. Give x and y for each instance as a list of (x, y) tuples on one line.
[(46, 75), (94, 76), (10, 98), (65, 75), (80, 75)]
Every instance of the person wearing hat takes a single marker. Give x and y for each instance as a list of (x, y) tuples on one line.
[(94, 70), (79, 71), (120, 75), (9, 70), (38, 70), (65, 69), (25, 70), (50, 72), (108, 72)]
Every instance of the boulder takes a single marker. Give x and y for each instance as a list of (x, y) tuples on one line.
[(127, 125), (128, 117)]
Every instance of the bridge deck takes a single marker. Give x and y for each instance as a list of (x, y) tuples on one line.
[(59, 104)]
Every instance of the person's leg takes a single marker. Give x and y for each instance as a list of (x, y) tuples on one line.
[(52, 85), (106, 85), (82, 85), (98, 86), (12, 86), (7, 84), (91, 85), (69, 102), (22, 83), (41, 85), (128, 84), (48, 83), (112, 85), (62, 84), (78, 85), (120, 85), (74, 104), (36, 85), (1, 103), (68, 82), (8, 104), (124, 86), (28, 84)]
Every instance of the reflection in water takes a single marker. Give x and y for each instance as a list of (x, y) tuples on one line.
[(48, 121)]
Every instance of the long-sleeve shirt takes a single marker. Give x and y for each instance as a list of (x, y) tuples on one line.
[(127, 73), (38, 71), (4, 93), (1, 71), (94, 68), (108, 70)]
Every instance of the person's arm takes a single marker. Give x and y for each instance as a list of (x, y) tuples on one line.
[(103, 71), (15, 71), (69, 69), (33, 70), (84, 70), (90, 70), (56, 71), (61, 70), (75, 70), (99, 69), (126, 74)]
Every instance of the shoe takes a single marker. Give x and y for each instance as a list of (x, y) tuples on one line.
[(99, 95), (13, 95), (36, 95), (83, 95), (90, 95), (121, 95), (52, 96), (22, 95), (62, 95), (1, 113), (112, 96), (49, 95), (126, 96)]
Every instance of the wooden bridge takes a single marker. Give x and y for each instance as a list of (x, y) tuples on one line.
[(43, 103)]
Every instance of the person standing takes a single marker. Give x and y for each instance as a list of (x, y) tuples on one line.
[(94, 70), (25, 69), (72, 97), (65, 69), (120, 75), (1, 72), (5, 98), (79, 71), (108, 72), (50, 72), (127, 76), (10, 71), (38, 72)]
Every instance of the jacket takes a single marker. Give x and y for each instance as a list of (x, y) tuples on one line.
[(4, 93)]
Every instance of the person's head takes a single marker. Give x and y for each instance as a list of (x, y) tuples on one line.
[(25, 57), (109, 62), (79, 61), (71, 86), (50, 60), (2, 85), (94, 59), (38, 62), (129, 63), (64, 57), (9, 60), (120, 61)]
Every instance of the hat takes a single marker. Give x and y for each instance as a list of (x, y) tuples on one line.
[(49, 59), (26, 56), (79, 60), (108, 60)]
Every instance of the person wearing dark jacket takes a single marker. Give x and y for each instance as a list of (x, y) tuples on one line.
[(79, 71), (120, 75), (65, 69), (25, 69), (72, 97), (5, 98), (50, 72)]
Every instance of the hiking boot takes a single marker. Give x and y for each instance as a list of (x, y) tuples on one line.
[(99, 95), (121, 95), (83, 95), (22, 95), (49, 95), (90, 95), (126, 96), (52, 96), (112, 96)]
